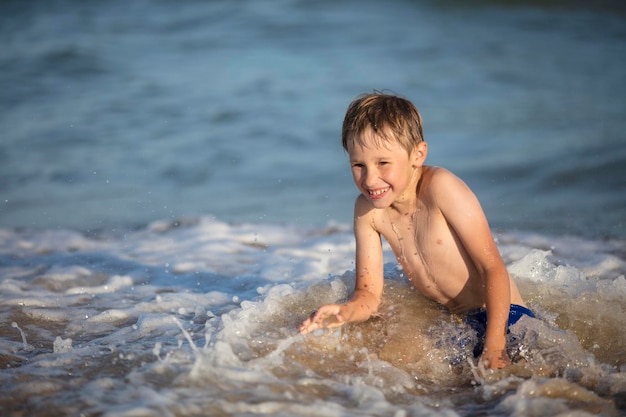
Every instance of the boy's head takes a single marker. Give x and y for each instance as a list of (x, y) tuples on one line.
[(391, 118)]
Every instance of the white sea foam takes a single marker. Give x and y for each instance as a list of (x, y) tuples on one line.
[(201, 317)]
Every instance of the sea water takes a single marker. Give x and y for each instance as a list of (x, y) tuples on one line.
[(174, 201), (199, 317)]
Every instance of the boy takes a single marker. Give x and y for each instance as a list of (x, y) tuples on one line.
[(430, 218)]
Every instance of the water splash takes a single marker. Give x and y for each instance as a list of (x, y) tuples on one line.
[(26, 346)]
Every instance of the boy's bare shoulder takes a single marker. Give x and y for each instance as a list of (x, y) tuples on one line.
[(439, 180), (366, 213), (438, 174)]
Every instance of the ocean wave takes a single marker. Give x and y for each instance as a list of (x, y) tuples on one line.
[(204, 313)]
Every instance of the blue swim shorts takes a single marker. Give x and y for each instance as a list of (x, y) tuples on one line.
[(477, 320)]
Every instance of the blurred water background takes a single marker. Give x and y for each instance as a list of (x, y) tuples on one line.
[(116, 114), (174, 200)]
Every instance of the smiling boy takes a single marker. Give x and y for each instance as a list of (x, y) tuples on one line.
[(430, 218)]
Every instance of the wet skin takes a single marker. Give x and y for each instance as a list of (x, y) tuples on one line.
[(438, 232)]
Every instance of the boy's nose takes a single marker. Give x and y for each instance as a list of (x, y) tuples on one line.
[(370, 177)]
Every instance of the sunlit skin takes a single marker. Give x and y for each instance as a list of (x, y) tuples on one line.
[(439, 234)]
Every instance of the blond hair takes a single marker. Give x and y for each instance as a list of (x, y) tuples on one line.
[(390, 117)]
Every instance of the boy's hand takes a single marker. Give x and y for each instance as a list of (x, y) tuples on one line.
[(494, 359), (326, 316)]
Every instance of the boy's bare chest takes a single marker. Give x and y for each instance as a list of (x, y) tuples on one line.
[(427, 249), (421, 231)]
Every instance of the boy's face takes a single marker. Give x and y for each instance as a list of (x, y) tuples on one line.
[(383, 170)]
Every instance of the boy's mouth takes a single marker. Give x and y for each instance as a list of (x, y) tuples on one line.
[(376, 194)]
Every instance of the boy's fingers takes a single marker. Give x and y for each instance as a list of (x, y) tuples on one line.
[(495, 360), (307, 327), (324, 317), (310, 324)]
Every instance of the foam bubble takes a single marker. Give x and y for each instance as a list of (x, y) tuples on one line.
[(62, 345)]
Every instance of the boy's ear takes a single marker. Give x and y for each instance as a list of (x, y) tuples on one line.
[(420, 152)]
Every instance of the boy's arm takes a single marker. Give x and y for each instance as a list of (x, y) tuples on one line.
[(369, 277), (463, 212), (368, 288)]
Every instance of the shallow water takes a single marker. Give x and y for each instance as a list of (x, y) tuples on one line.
[(199, 317)]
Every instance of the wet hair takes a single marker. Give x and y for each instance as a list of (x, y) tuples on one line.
[(391, 118)]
